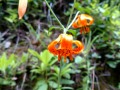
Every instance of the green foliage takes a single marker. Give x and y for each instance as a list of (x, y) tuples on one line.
[(46, 59), (47, 63), (9, 66), (12, 16), (113, 64), (7, 82), (5, 63)]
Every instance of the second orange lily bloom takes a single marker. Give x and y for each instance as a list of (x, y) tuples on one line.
[(63, 46), (83, 22)]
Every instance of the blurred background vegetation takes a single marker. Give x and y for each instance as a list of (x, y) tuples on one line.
[(23, 46)]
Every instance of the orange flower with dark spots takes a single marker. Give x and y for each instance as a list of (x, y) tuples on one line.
[(22, 8), (63, 46), (83, 22)]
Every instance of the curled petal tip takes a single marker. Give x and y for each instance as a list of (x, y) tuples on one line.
[(20, 18), (79, 47)]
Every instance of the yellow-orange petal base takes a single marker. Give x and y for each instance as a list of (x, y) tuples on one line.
[(63, 46), (83, 22)]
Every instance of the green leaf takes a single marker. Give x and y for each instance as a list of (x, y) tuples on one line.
[(74, 32), (34, 53), (91, 68), (110, 56), (67, 75), (53, 77), (73, 71), (38, 71), (53, 84), (43, 67), (66, 81), (7, 82), (67, 88), (113, 64), (86, 79), (11, 61), (41, 85), (79, 60), (53, 60), (66, 69), (57, 70), (24, 57), (95, 55), (45, 57), (3, 62)]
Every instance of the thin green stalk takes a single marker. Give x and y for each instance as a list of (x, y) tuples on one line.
[(54, 15), (88, 46), (66, 29), (73, 20), (88, 73), (59, 77), (89, 43), (4, 73), (71, 13)]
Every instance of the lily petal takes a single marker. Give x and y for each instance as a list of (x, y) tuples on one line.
[(84, 29), (66, 41), (52, 46), (79, 47), (88, 18), (22, 8)]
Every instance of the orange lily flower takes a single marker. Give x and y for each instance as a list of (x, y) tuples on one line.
[(22, 8), (83, 22), (63, 46)]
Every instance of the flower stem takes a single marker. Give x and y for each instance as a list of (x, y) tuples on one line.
[(66, 29), (54, 14), (59, 77), (71, 13), (73, 20), (88, 74)]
